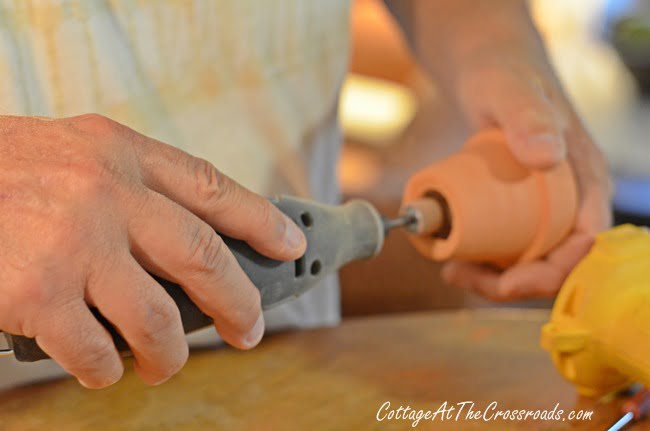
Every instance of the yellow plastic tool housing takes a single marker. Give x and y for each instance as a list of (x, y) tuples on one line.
[(599, 333)]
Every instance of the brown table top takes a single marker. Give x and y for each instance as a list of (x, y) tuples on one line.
[(333, 379)]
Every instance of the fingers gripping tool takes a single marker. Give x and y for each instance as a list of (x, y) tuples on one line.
[(336, 235)]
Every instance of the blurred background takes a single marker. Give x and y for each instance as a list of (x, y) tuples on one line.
[(396, 122)]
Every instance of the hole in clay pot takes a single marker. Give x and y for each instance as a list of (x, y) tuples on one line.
[(306, 219), (315, 267), (445, 230), (300, 266)]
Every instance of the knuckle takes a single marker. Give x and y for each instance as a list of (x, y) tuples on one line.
[(211, 185), (94, 361), (242, 318), (535, 112), (88, 175), (161, 320), (542, 88), (22, 306), (63, 237), (95, 123), (30, 294), (266, 213), (207, 252)]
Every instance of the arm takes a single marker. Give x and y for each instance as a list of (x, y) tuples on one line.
[(489, 57)]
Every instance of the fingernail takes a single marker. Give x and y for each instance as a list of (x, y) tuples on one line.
[(550, 143), (161, 381), (84, 384), (100, 385), (255, 334), (102, 382), (294, 237)]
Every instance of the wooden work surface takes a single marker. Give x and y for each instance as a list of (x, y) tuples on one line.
[(331, 379)]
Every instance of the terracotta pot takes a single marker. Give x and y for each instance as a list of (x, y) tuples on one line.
[(500, 212)]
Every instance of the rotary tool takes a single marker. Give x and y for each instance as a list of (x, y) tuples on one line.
[(336, 235)]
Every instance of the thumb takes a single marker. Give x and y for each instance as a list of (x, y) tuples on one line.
[(517, 102), (533, 127)]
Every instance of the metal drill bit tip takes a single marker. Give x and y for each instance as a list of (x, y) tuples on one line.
[(402, 221)]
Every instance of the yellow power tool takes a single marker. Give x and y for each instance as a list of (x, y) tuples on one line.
[(599, 333)]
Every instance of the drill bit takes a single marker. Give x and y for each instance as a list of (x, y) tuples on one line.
[(424, 216), (401, 221)]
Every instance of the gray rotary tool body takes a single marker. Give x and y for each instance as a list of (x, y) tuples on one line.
[(336, 235)]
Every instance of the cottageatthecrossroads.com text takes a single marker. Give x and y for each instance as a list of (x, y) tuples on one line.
[(470, 411)]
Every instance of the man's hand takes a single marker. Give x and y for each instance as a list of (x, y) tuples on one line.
[(489, 57), (542, 129), (87, 206)]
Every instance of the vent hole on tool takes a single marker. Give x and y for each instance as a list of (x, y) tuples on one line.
[(301, 266), (306, 219), (316, 266)]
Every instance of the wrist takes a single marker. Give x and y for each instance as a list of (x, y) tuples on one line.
[(454, 36)]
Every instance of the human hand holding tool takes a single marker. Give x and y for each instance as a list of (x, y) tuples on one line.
[(87, 207), (335, 236)]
